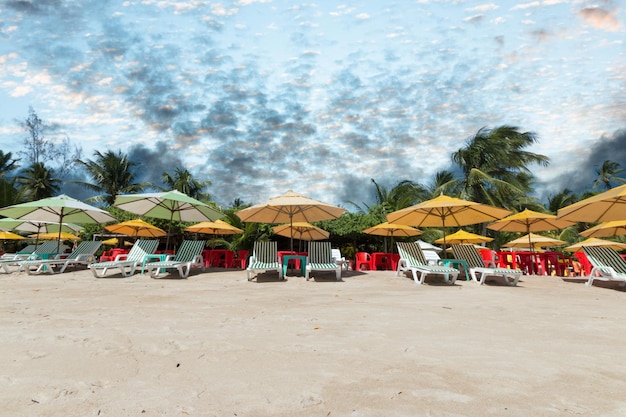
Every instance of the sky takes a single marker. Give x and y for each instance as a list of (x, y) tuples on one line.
[(265, 96)]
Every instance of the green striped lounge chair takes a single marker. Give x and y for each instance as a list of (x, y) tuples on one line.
[(84, 254), (264, 258), (126, 263), (321, 259), (412, 259), (607, 264), (45, 249), (477, 269), (188, 255)]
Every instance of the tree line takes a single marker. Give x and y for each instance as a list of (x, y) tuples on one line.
[(494, 167)]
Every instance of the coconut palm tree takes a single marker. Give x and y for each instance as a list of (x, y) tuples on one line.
[(607, 175), (112, 174), (183, 181), (37, 182), (496, 167), (7, 163)]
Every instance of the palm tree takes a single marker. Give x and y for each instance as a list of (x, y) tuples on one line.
[(7, 163), (183, 181), (560, 200), (38, 182), (112, 174), (495, 166), (607, 174)]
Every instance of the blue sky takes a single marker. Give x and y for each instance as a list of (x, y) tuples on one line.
[(262, 96)]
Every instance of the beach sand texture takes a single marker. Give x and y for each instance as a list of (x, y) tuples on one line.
[(371, 345)]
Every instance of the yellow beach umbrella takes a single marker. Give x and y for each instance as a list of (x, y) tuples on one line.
[(445, 211), (604, 207), (289, 208), (218, 227), (608, 229), (10, 236), (535, 241), (136, 228), (55, 236), (464, 237), (592, 241), (301, 231), (392, 229)]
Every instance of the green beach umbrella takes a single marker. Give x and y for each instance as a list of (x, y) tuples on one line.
[(172, 205), (58, 209)]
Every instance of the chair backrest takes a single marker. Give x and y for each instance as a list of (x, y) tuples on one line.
[(140, 248), (320, 253), (412, 253), (88, 247), (266, 252), (189, 250), (431, 256), (336, 254), (27, 250), (469, 254), (49, 247), (602, 257)]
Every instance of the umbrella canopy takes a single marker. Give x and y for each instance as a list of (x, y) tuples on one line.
[(592, 241), (37, 226), (57, 209), (604, 207), (465, 237), (288, 208), (218, 227), (172, 205), (529, 221), (608, 229), (114, 242), (4, 235), (301, 231), (535, 241), (444, 211), (55, 236), (392, 229), (136, 228)]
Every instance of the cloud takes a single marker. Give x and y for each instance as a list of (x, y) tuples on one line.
[(483, 7), (601, 18)]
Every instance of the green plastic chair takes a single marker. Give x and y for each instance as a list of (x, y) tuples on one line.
[(126, 263), (84, 254), (470, 255), (321, 259), (264, 258), (607, 264)]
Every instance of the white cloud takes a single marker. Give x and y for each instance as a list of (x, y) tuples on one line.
[(524, 6), (362, 16), (483, 7)]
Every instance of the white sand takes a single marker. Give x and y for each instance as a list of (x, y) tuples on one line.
[(371, 345)]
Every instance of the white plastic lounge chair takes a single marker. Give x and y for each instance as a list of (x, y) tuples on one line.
[(21, 254), (412, 259), (607, 264), (264, 258), (339, 260), (188, 255), (321, 259), (45, 249), (84, 254), (477, 269), (126, 263)]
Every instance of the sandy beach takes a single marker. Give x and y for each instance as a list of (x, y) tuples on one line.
[(371, 345)]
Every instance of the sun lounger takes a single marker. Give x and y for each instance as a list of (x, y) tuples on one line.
[(264, 258), (607, 264), (477, 269), (126, 263), (412, 259), (321, 259), (188, 255), (45, 249), (84, 254)]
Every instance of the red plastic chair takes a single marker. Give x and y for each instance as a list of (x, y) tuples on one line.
[(241, 260), (584, 262), (363, 259)]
